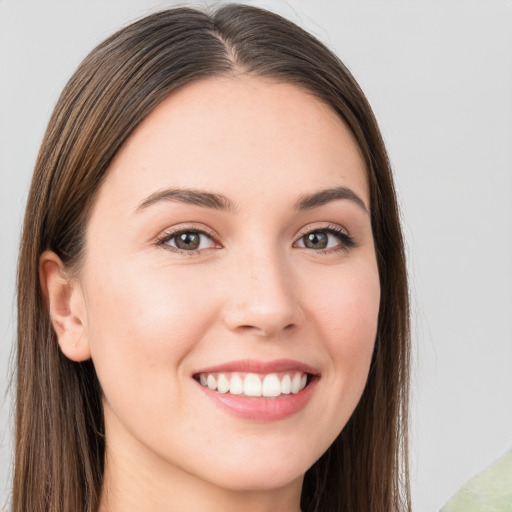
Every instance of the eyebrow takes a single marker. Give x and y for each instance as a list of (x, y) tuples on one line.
[(327, 195), (221, 202), (189, 196)]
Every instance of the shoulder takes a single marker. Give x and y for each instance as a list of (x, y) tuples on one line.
[(489, 491)]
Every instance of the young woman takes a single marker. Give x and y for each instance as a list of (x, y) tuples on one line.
[(212, 295)]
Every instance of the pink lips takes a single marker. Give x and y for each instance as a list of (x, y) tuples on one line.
[(248, 365), (262, 409)]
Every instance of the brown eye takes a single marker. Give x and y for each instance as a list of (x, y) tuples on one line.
[(188, 241), (326, 239), (315, 240)]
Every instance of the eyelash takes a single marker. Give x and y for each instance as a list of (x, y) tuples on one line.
[(346, 241), (164, 240)]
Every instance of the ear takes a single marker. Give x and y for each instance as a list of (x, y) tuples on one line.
[(65, 301)]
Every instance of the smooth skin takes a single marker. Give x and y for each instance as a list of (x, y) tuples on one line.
[(151, 315)]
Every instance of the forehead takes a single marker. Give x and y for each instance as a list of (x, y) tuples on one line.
[(249, 134)]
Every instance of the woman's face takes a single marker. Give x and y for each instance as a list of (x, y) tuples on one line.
[(231, 246)]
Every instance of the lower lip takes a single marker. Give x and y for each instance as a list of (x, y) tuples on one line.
[(261, 408)]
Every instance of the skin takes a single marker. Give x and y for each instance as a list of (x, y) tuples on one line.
[(150, 317)]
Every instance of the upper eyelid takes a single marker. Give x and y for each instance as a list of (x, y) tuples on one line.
[(211, 233), (323, 227), (170, 232), (331, 228)]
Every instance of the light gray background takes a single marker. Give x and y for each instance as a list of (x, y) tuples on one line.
[(439, 76)]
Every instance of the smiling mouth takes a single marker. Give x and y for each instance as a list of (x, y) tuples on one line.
[(261, 391), (270, 385)]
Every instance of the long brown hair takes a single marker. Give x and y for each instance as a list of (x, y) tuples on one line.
[(60, 440)]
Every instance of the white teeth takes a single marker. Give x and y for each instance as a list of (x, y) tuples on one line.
[(255, 385), (237, 385), (286, 385), (211, 382), (271, 385), (296, 382), (252, 385), (222, 384)]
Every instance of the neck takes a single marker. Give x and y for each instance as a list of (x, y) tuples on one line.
[(138, 480)]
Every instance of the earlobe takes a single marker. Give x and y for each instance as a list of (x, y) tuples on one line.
[(64, 299)]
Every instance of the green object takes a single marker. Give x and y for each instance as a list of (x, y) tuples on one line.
[(489, 491)]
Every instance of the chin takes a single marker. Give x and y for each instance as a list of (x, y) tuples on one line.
[(263, 470), (259, 478)]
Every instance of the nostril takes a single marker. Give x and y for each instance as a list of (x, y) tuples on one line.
[(265, 331), (263, 317)]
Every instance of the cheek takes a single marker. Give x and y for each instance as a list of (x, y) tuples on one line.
[(348, 306), (142, 323), (347, 315)]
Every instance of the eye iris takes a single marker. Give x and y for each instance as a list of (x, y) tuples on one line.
[(315, 240), (188, 241)]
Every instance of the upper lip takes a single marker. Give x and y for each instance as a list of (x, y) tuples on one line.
[(254, 366)]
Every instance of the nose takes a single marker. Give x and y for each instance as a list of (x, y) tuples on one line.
[(263, 297)]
